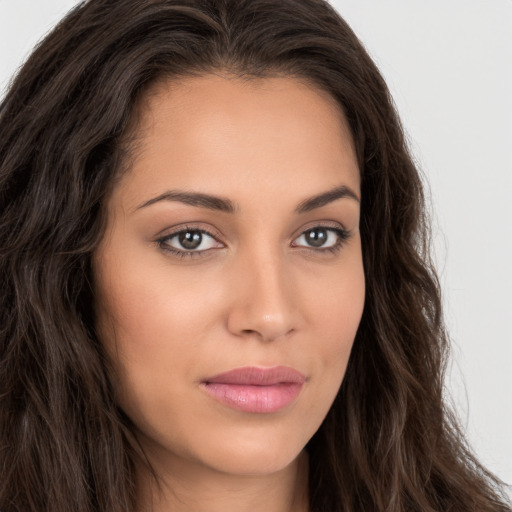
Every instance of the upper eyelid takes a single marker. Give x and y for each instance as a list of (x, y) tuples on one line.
[(165, 233), (327, 224), (171, 232)]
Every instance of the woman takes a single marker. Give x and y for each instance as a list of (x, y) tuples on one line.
[(217, 292)]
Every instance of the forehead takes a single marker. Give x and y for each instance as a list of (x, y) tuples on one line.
[(216, 134)]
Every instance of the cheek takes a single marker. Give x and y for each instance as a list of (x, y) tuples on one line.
[(152, 317), (153, 327), (337, 303), (338, 316)]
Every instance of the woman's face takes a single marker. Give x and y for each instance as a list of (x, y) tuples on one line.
[(230, 280)]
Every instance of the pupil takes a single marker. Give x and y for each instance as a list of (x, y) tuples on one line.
[(316, 237), (190, 239)]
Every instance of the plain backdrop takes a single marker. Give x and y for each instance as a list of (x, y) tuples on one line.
[(449, 68)]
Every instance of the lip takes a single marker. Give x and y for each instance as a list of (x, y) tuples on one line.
[(254, 389)]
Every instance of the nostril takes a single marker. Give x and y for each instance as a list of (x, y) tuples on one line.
[(266, 333)]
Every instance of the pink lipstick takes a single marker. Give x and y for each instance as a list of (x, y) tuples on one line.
[(256, 390)]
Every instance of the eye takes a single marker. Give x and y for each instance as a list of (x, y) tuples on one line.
[(321, 237), (188, 240)]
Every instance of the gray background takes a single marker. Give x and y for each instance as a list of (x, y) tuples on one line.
[(449, 67)]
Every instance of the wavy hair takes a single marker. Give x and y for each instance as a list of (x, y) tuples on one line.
[(388, 443)]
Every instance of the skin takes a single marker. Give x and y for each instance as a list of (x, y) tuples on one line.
[(255, 293)]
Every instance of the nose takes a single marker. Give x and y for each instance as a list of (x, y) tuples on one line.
[(262, 299)]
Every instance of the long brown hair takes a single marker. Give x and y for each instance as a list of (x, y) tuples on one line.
[(388, 443)]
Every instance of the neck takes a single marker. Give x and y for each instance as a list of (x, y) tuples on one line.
[(192, 488)]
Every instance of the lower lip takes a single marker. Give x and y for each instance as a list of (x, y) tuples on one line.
[(256, 399)]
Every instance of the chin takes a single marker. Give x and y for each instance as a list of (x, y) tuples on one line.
[(253, 461), (242, 451)]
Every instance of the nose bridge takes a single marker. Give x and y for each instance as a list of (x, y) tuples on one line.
[(263, 306)]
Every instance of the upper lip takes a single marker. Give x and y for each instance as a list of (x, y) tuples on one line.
[(257, 376)]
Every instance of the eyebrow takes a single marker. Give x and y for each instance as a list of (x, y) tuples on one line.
[(227, 206), (325, 198), (194, 199)]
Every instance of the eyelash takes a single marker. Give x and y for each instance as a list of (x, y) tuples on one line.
[(342, 234)]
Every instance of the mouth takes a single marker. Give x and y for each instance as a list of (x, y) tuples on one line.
[(256, 390)]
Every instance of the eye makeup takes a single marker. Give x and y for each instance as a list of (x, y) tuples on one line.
[(195, 242)]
